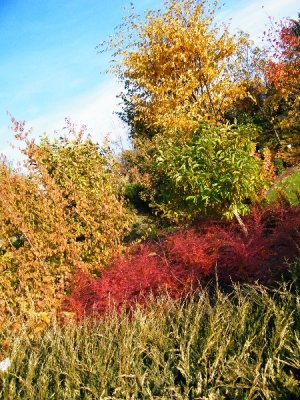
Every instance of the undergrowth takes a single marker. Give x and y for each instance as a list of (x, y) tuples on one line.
[(189, 258)]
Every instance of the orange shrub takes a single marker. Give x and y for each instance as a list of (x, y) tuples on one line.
[(268, 168), (63, 210)]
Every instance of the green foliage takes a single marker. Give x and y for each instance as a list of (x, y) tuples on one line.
[(278, 164), (133, 192), (242, 345), (289, 188), (216, 173)]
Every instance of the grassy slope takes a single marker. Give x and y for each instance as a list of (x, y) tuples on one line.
[(244, 345), (288, 184)]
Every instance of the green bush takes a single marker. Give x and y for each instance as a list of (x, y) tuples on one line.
[(217, 172)]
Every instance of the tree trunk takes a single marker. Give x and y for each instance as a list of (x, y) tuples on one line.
[(240, 221)]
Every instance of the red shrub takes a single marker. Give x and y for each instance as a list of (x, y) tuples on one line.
[(192, 250), (128, 280), (273, 238), (183, 260)]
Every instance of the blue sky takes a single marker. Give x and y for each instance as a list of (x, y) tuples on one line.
[(50, 69)]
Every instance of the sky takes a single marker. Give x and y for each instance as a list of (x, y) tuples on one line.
[(50, 68)]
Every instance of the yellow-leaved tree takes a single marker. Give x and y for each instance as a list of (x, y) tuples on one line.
[(179, 67)]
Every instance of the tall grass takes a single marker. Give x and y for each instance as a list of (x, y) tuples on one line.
[(242, 345)]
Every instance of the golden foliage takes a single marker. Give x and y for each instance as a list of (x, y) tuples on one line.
[(180, 66), (63, 211), (268, 168)]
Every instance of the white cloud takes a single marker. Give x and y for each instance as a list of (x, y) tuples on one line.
[(254, 17), (95, 109)]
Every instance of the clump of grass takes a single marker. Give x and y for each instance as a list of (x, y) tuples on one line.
[(239, 345)]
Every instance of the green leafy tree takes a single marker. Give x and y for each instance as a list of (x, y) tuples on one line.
[(216, 173)]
